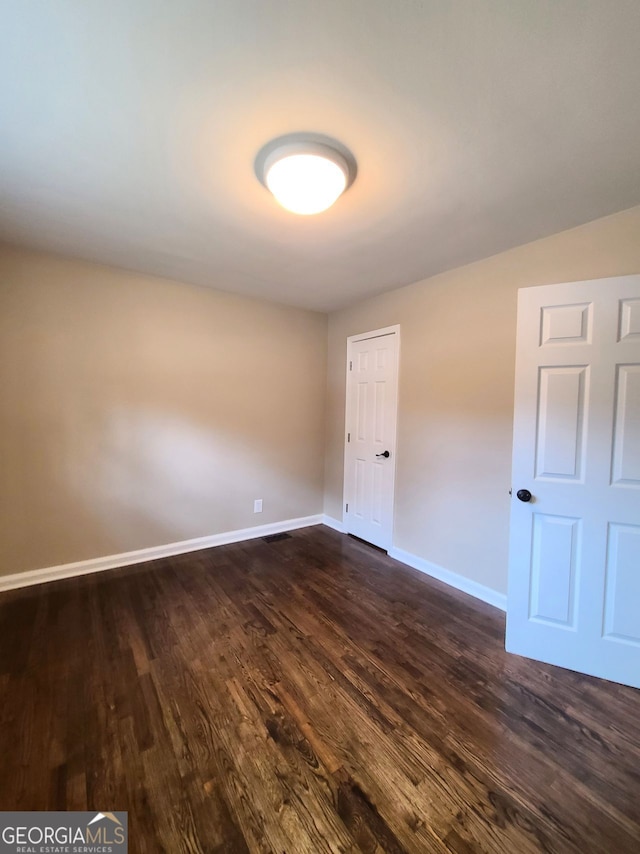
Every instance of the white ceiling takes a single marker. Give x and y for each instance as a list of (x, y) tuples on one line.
[(129, 129)]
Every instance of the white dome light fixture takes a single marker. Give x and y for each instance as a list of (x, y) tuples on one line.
[(306, 172)]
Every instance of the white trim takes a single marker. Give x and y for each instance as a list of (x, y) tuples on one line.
[(336, 524), (99, 564), (473, 588), (375, 333)]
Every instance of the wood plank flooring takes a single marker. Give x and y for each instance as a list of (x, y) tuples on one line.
[(306, 695)]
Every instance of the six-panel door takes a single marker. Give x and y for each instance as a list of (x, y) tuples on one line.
[(371, 429), (574, 575)]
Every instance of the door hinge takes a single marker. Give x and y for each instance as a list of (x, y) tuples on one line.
[(348, 437), (346, 508), (350, 366)]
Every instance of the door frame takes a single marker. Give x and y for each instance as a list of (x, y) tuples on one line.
[(351, 340)]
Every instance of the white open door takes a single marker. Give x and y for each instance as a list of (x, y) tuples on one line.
[(370, 441), (574, 573)]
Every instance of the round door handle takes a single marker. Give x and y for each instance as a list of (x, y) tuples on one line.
[(385, 454), (524, 495)]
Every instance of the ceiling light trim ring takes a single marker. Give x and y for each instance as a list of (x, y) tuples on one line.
[(305, 143)]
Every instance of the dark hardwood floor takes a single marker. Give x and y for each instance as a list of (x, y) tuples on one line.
[(305, 695)]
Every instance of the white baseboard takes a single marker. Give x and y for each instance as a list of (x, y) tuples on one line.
[(336, 524), (99, 564), (487, 594)]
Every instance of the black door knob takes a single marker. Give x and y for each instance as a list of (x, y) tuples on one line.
[(384, 454), (524, 495)]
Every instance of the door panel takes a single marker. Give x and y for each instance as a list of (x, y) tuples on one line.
[(554, 559), (371, 430), (626, 442), (629, 319), (561, 411), (379, 409), (574, 563), (360, 497), (621, 618), (361, 411), (377, 494), (566, 324)]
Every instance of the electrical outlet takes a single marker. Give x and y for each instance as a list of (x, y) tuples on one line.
[(257, 505)]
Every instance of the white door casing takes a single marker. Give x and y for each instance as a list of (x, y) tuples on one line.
[(371, 415), (574, 565)]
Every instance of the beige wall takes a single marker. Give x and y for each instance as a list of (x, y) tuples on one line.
[(456, 391), (138, 411)]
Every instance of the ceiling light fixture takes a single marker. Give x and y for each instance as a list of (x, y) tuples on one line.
[(306, 172)]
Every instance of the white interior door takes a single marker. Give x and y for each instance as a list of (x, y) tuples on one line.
[(574, 575), (370, 443)]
